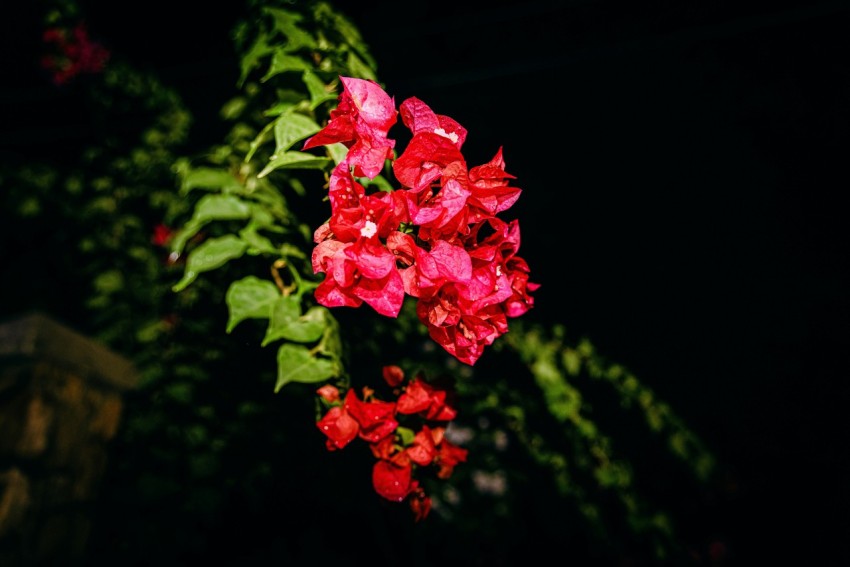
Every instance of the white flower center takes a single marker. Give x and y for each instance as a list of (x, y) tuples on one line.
[(450, 135), (369, 229)]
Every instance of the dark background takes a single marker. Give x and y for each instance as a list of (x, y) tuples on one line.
[(684, 166)]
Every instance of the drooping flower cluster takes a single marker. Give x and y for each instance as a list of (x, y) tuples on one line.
[(437, 238), (400, 451), (75, 53)]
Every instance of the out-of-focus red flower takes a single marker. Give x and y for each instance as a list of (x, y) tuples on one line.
[(421, 397), (398, 455), (392, 479), (74, 53), (448, 457), (423, 450), (419, 502), (339, 427), (393, 375), (376, 418), (329, 393), (161, 235)]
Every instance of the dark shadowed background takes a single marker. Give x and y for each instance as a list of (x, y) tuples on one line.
[(684, 167)]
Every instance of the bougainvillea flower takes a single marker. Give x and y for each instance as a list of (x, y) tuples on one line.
[(448, 457), (436, 239), (161, 235), (358, 272), (520, 300), (339, 426), (490, 193), (436, 211), (329, 393), (361, 122), (393, 375), (424, 159), (423, 271), (392, 479), (343, 189), (421, 397), (77, 53), (463, 335), (330, 292), (376, 418), (419, 272), (419, 117), (374, 217), (398, 455), (420, 503), (423, 450), (385, 448)]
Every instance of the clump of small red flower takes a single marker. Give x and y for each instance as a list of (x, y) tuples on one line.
[(162, 235), (400, 451), (75, 53), (437, 238)]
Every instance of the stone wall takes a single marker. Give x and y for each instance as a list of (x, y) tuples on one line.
[(60, 405)]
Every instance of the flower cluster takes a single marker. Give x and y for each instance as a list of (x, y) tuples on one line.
[(400, 451), (437, 238), (77, 53)]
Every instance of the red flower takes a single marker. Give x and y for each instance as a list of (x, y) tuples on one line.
[(420, 504), (421, 397), (424, 159), (398, 457), (329, 393), (448, 457), (339, 427), (393, 375), (376, 418), (363, 271), (77, 53), (392, 479), (419, 117), (361, 122), (161, 235), (423, 450), (490, 191)]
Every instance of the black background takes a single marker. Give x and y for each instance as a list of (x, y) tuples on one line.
[(684, 166)]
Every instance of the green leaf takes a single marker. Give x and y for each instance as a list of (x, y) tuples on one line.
[(287, 23), (210, 178), (109, 281), (282, 62), (337, 152), (290, 128), (210, 208), (220, 207), (250, 298), (287, 322), (295, 363), (251, 59), (210, 255), (379, 181), (294, 160), (407, 435), (257, 243), (258, 141), (319, 92), (358, 68)]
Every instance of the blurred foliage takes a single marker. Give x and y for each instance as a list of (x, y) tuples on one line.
[(569, 453)]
